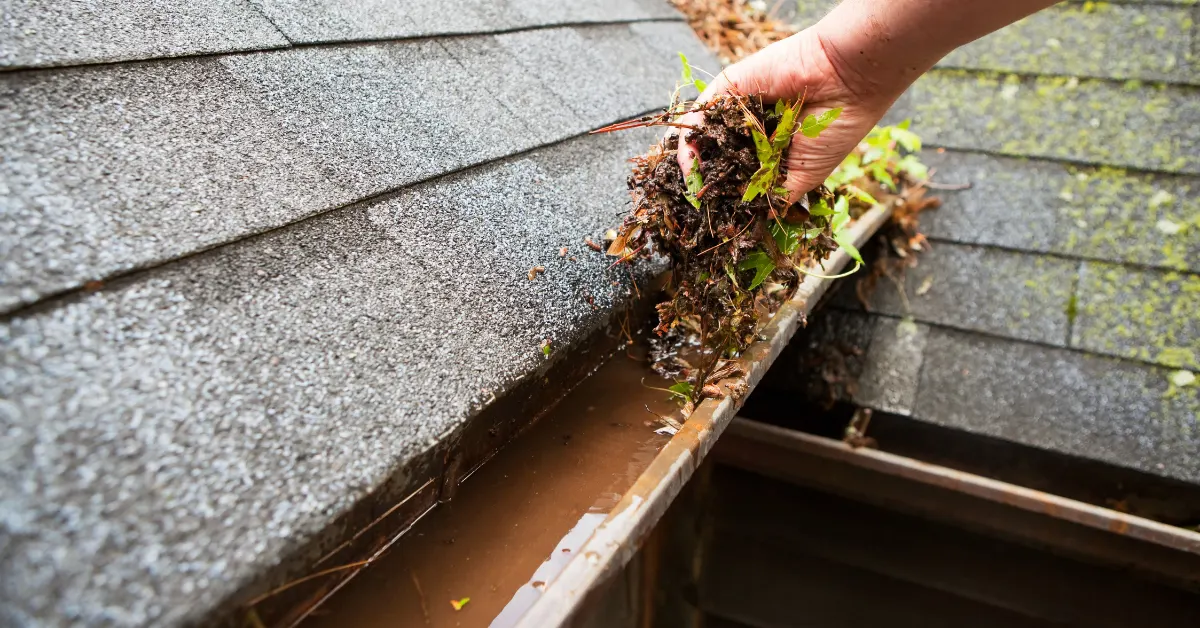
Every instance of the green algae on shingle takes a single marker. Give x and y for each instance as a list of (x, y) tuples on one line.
[(1101, 122), (1111, 41), (1112, 214), (1140, 314)]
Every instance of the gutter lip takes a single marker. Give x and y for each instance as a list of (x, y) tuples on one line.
[(619, 536), (978, 486)]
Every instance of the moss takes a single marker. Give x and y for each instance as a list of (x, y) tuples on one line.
[(1147, 315), (1111, 214), (1061, 118), (1119, 42)]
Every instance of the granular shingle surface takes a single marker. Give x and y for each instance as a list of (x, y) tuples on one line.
[(117, 168), (307, 21), (197, 422), (39, 33), (312, 269)]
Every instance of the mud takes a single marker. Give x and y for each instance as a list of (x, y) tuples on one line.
[(517, 520)]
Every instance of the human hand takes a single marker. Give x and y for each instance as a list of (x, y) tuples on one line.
[(796, 67)]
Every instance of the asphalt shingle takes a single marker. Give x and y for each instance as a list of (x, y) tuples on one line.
[(308, 21), (892, 365), (1152, 127), (1141, 314), (1142, 42), (1046, 206), (117, 168), (982, 289), (40, 33), (107, 169), (1099, 408), (196, 422)]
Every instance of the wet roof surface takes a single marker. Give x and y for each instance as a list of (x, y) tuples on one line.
[(234, 297), (1062, 290)]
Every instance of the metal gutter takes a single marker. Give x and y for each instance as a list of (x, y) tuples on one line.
[(750, 435), (618, 538)]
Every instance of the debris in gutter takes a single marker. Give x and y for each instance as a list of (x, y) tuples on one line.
[(459, 604), (738, 243)]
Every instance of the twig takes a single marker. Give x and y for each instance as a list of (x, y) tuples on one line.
[(417, 584), (311, 576), (947, 186)]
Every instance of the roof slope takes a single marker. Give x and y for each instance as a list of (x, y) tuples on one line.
[(1063, 287), (242, 292)]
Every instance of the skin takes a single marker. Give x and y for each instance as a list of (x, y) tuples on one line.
[(860, 57)]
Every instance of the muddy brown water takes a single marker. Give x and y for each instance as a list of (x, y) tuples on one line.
[(515, 522)]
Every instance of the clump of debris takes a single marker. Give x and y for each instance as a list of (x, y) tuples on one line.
[(737, 244)]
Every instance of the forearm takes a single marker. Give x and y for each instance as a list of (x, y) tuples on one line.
[(882, 46)]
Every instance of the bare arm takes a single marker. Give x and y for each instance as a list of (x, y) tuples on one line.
[(860, 57)]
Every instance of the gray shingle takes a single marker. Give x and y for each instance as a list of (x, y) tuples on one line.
[(1146, 42), (1142, 314), (982, 289), (199, 421), (1093, 121), (108, 169), (335, 20), (114, 168), (1098, 408), (39, 33), (892, 366), (1038, 205)]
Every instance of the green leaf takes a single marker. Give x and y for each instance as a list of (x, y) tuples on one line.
[(760, 263), (688, 78), (813, 125), (732, 275), (681, 389), (847, 243), (872, 155), (785, 129), (906, 138), (780, 105), (820, 208), (761, 180), (841, 215), (762, 145), (695, 183), (787, 237), (853, 191), (913, 167), (881, 175)]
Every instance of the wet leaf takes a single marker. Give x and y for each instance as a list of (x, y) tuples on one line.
[(762, 145), (761, 264), (814, 124), (459, 604), (683, 390), (695, 183)]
